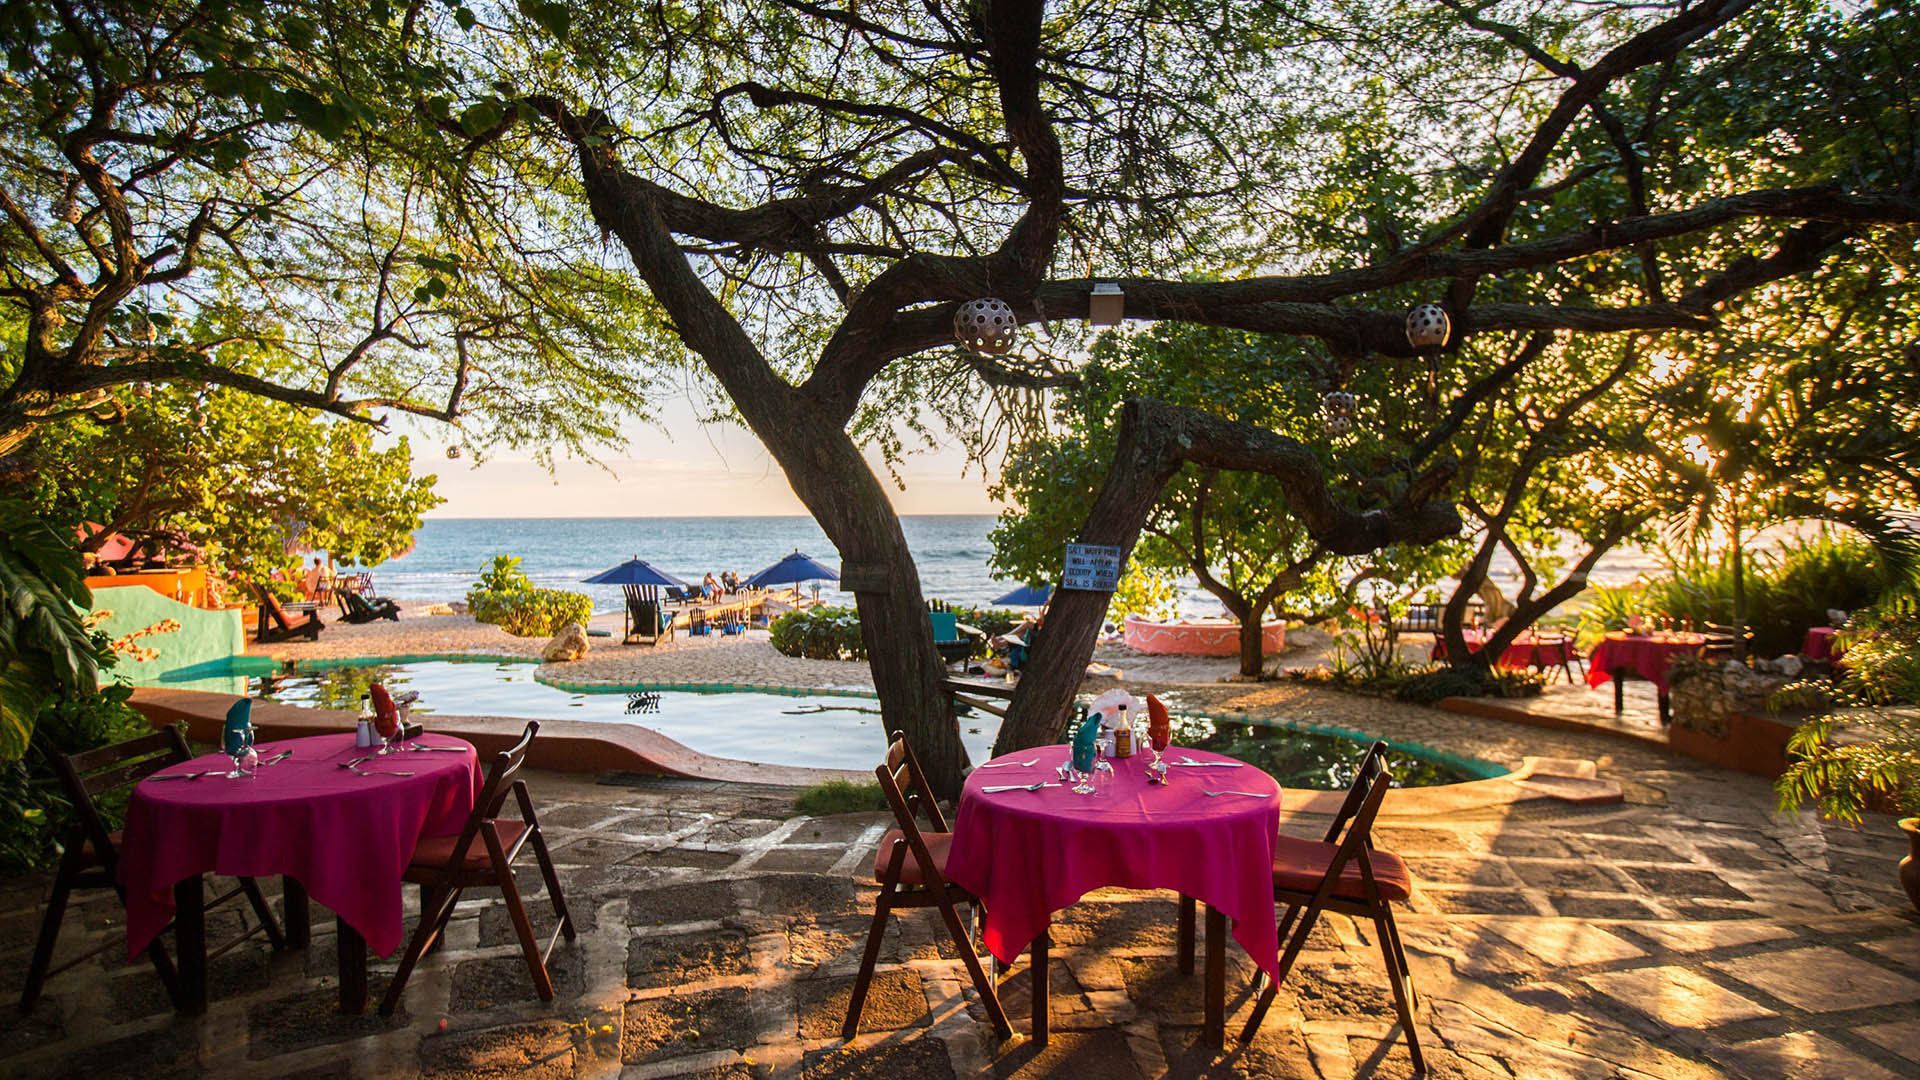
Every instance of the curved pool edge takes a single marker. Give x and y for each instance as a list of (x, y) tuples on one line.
[(563, 745)]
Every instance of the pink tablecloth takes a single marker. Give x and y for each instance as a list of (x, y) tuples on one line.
[(1641, 654), (1027, 854), (1523, 652), (347, 838)]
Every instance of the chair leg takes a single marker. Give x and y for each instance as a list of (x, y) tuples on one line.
[(435, 906), (522, 926), (1402, 983), (881, 907), (1292, 953), (552, 879), (258, 900), (50, 929), (971, 959)]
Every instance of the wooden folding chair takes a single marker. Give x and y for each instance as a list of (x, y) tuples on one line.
[(1345, 873), (482, 855), (274, 625), (91, 859), (1554, 648), (911, 868)]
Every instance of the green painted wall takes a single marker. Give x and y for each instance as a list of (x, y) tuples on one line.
[(205, 639)]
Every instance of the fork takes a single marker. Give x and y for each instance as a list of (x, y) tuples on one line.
[(363, 772), (1254, 794), (276, 759), (1004, 764), (1208, 764), (357, 761), (1018, 787)]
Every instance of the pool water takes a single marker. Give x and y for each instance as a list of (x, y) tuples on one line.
[(825, 729)]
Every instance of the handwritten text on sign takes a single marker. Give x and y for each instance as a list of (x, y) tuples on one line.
[(1093, 567)]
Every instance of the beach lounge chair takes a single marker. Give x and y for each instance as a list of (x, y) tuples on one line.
[(733, 624), (275, 626), (697, 623), (648, 620), (358, 609), (947, 638)]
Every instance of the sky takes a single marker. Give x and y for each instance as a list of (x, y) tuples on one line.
[(700, 470)]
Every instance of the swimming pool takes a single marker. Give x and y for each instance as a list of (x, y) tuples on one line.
[(828, 729)]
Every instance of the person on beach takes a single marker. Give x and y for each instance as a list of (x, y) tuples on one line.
[(730, 580), (710, 588)]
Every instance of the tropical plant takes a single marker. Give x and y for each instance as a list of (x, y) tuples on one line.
[(45, 651), (247, 481), (506, 597), (35, 817), (819, 633), (1864, 751)]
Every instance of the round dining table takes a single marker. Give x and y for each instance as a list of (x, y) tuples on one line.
[(1523, 652), (1621, 656), (340, 836), (1028, 853)]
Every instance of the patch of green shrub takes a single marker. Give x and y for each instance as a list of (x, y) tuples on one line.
[(35, 817), (840, 797), (821, 633), (507, 598), (1430, 687)]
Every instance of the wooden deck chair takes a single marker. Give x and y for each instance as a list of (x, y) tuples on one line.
[(357, 609), (911, 868), (274, 624), (91, 859), (1347, 874), (697, 623), (482, 855)]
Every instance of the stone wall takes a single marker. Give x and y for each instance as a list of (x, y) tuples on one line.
[(1705, 697)]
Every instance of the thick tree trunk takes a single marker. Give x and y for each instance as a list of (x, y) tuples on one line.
[(1154, 440), (1253, 655)]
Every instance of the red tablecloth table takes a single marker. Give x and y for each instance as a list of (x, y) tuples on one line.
[(1621, 656), (344, 839), (1522, 653), (1820, 644), (1027, 854)]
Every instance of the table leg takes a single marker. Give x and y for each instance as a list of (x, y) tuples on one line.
[(294, 913), (190, 941), (1215, 1033), (353, 967), (1619, 690), (1038, 950), (1666, 710), (1185, 935)]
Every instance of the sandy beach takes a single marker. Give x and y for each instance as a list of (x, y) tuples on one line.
[(745, 660)]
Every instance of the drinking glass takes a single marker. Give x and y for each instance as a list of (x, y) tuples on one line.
[(239, 747), (1083, 759), (387, 723)]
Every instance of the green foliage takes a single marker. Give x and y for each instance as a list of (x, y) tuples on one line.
[(506, 597), (247, 480), (44, 650), (1788, 591), (839, 797), (1146, 592), (35, 817), (819, 633), (1877, 698), (1429, 687)]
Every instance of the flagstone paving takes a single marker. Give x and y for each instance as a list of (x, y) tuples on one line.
[(1686, 933)]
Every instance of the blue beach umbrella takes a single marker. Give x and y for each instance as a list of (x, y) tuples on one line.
[(1027, 596), (635, 571), (791, 570)]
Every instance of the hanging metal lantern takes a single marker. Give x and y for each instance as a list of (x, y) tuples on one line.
[(453, 453), (1339, 425), (1427, 326), (986, 325), (65, 209), (1340, 403)]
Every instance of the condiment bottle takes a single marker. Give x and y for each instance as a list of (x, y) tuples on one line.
[(1123, 734), (363, 733)]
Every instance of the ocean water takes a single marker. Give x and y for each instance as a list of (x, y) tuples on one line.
[(951, 551)]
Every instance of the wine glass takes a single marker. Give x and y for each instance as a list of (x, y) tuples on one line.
[(1102, 768), (238, 744), (1083, 760), (1159, 736)]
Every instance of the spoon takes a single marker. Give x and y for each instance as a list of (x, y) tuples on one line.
[(1254, 794), (1018, 787), (363, 772)]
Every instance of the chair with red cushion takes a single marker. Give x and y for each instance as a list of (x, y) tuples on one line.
[(482, 854), (1345, 873), (91, 858), (911, 868)]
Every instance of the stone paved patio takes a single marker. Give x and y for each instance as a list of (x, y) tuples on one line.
[(1687, 933)]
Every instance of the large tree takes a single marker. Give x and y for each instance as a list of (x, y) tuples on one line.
[(808, 191), (210, 194)]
